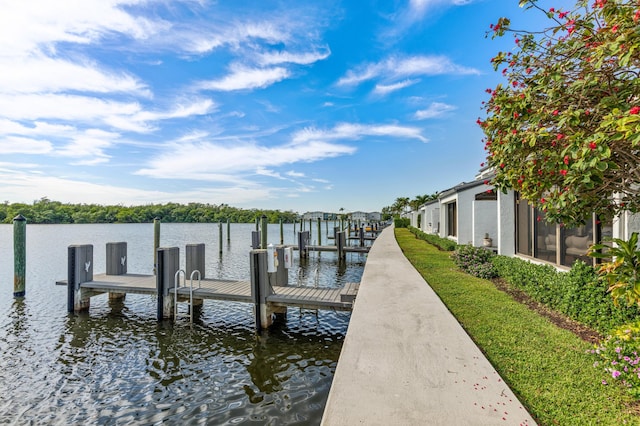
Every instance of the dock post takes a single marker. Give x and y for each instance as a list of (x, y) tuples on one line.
[(255, 240), (220, 232), (168, 265), (260, 288), (282, 274), (228, 231), (319, 231), (336, 229), (195, 261), (79, 270), (156, 243), (116, 264), (19, 255), (310, 228), (303, 241), (295, 222), (263, 235), (281, 232), (341, 242), (361, 236)]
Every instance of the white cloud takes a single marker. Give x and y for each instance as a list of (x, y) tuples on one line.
[(436, 109), (384, 89), (420, 7), (295, 174), (43, 74), (357, 131), (243, 77), (395, 68), (21, 145), (215, 162), (273, 58)]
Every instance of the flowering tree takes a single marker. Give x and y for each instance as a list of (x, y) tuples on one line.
[(565, 130)]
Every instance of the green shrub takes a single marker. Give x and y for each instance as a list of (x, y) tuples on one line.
[(475, 261), (401, 222), (444, 244), (619, 356), (578, 293)]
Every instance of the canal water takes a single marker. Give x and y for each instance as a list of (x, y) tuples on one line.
[(117, 365)]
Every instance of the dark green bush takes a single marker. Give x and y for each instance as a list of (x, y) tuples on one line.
[(577, 293), (475, 261), (442, 243), (401, 222)]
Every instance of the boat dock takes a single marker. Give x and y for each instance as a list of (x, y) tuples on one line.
[(268, 289)]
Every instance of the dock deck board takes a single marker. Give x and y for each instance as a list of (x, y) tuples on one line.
[(235, 291)]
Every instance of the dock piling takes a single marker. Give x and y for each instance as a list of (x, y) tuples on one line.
[(168, 265), (263, 226), (195, 259), (281, 232), (79, 270), (303, 242), (319, 231), (220, 239), (156, 243), (228, 231), (19, 255), (341, 241), (116, 264)]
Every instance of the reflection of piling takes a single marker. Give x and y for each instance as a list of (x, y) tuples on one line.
[(19, 255), (156, 243)]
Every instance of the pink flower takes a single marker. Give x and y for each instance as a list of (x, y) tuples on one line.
[(615, 374), (563, 172), (555, 112), (634, 110), (592, 145), (566, 159)]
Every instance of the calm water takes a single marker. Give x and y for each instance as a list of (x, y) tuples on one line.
[(117, 365)]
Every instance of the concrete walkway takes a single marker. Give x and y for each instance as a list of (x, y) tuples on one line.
[(407, 361)]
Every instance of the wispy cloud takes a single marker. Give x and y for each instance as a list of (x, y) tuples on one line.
[(350, 131), (436, 109), (396, 68), (301, 58), (385, 89), (243, 78)]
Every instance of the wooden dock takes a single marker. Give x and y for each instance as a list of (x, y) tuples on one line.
[(268, 289), (340, 299)]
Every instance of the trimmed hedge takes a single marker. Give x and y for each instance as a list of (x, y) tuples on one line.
[(401, 222), (442, 243), (578, 293)]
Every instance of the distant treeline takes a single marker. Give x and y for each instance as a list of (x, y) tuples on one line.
[(47, 211)]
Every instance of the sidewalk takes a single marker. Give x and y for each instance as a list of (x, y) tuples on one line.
[(407, 361)]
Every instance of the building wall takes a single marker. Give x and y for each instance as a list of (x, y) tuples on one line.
[(506, 224), (485, 221), (465, 215)]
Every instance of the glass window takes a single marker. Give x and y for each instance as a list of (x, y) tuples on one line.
[(575, 243), (545, 238), (452, 219), (523, 227)]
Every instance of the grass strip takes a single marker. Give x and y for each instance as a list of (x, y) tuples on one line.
[(547, 367)]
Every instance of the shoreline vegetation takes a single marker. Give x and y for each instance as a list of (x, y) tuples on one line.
[(550, 368), (45, 211)]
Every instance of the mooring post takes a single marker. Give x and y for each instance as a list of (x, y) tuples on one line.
[(282, 274), (303, 241), (260, 288), (310, 229), (220, 232), (79, 270), (255, 240), (168, 265), (294, 227), (263, 225), (361, 236), (19, 255), (194, 259), (336, 229), (341, 242), (319, 231), (156, 243), (116, 264), (281, 232), (228, 231)]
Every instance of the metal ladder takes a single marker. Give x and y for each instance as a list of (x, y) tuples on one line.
[(176, 285)]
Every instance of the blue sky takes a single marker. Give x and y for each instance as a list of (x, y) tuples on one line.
[(291, 105)]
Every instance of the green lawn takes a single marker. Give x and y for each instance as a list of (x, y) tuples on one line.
[(546, 366)]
